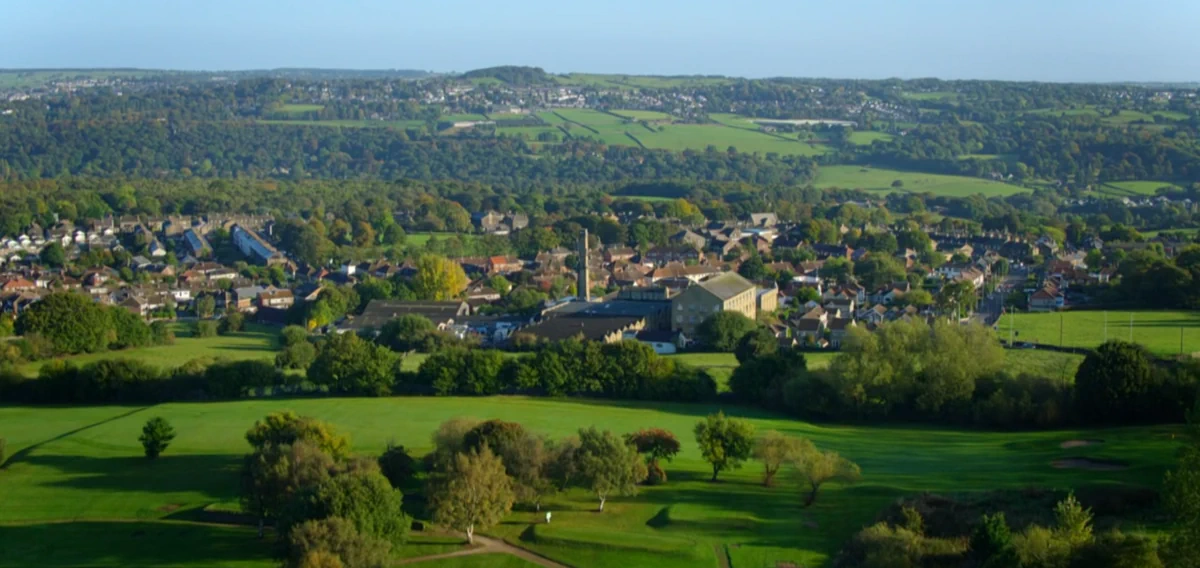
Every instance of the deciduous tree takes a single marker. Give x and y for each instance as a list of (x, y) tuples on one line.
[(657, 445), (474, 494), (775, 450), (608, 465), (724, 442), (438, 278), (818, 467)]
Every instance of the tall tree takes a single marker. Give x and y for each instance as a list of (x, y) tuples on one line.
[(608, 465), (1113, 382), (724, 442), (474, 494), (286, 428), (438, 278)]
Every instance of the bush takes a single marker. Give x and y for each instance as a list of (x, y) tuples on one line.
[(397, 465), (156, 436), (233, 322), (293, 335), (204, 328), (296, 356), (161, 333)]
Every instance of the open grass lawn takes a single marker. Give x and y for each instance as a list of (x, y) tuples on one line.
[(256, 342), (1184, 230), (878, 179), (74, 471), (1159, 331)]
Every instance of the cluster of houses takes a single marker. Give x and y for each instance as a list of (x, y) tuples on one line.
[(660, 295)]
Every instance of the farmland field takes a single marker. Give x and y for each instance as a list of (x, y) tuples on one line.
[(643, 114), (419, 239), (1135, 188), (76, 474), (877, 179), (300, 108), (614, 130), (256, 342), (350, 123), (866, 137), (1159, 331)]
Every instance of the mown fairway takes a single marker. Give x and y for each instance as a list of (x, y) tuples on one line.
[(1160, 331), (76, 475), (877, 179), (256, 342)]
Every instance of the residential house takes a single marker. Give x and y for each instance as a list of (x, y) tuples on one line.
[(253, 246)]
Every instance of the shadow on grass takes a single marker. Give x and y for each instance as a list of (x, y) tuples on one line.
[(119, 544), (214, 475), (23, 455)]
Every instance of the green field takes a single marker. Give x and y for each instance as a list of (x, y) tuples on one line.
[(1159, 331), (866, 137), (300, 108), (256, 342), (877, 179), (617, 131), (463, 117), (643, 114), (419, 239), (76, 474), (351, 123), (931, 96), (1135, 188)]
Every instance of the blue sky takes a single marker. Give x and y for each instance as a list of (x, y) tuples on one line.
[(1047, 40)]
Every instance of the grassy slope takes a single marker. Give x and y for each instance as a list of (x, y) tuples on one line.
[(878, 179), (88, 467), (256, 342), (677, 137), (1159, 331), (1136, 188)]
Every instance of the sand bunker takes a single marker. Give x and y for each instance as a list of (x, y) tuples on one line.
[(1079, 444), (1089, 464)]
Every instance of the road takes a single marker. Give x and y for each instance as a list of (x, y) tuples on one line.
[(485, 545), (992, 306)]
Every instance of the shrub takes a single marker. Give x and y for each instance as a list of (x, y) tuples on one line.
[(233, 322), (156, 436), (292, 335), (204, 329), (397, 465), (161, 333)]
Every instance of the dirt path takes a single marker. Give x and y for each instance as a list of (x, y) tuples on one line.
[(486, 545)]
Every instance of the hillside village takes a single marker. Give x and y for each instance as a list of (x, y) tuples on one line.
[(160, 268)]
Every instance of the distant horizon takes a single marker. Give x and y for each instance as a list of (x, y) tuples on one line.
[(1064, 41), (602, 73)]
